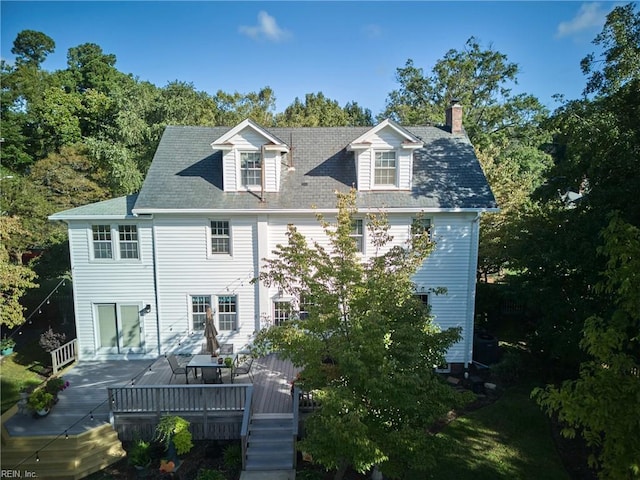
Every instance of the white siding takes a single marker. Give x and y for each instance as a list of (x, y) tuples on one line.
[(230, 170), (127, 281), (271, 165), (385, 139), (185, 267)]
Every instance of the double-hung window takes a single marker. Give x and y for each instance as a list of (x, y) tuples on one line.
[(281, 312), (220, 237), (227, 312), (115, 242), (357, 233), (421, 226), (128, 235), (199, 304), (385, 168), (251, 169), (102, 247)]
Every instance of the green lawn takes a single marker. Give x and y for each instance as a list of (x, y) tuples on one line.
[(14, 376), (510, 439)]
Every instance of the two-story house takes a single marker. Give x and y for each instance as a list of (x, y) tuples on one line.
[(218, 200)]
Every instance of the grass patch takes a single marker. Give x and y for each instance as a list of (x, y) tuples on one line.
[(14, 377), (509, 439)]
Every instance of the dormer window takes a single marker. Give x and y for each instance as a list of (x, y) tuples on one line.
[(384, 157), (251, 169), (385, 169)]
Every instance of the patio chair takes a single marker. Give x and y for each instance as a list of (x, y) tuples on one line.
[(211, 375), (176, 368), (243, 369), (226, 349)]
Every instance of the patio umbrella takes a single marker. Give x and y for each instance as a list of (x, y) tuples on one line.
[(211, 333)]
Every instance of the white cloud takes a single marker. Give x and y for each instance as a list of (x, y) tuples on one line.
[(267, 28), (590, 16)]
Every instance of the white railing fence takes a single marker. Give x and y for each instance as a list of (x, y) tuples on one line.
[(64, 355)]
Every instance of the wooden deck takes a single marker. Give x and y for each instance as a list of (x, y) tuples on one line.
[(85, 406)]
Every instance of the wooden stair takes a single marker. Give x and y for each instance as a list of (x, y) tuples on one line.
[(61, 458), (270, 445)]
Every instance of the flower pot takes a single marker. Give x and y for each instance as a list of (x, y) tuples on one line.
[(7, 351), (43, 413)]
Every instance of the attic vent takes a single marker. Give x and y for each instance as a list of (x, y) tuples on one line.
[(305, 184)]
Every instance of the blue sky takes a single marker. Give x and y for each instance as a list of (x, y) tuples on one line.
[(348, 50)]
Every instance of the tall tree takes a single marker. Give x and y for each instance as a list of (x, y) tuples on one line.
[(32, 47), (366, 348), (15, 278), (320, 111), (602, 404), (507, 132)]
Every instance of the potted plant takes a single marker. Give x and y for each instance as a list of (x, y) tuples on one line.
[(40, 402), (173, 432), (55, 385), (6, 346), (228, 361)]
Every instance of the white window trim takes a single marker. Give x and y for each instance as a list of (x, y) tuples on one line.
[(210, 253), (364, 235), (282, 300), (190, 309), (240, 186), (431, 226), (389, 186), (217, 313), (115, 243)]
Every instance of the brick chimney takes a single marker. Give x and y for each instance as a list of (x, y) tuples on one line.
[(453, 118)]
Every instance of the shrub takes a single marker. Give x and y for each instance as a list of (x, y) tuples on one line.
[(173, 428), (140, 453), (50, 340), (206, 474), (40, 400), (232, 457), (55, 385)]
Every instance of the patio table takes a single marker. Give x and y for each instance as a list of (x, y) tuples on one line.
[(207, 361)]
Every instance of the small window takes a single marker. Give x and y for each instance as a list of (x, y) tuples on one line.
[(424, 298), (304, 304), (102, 247), (227, 312), (357, 233), (420, 226), (220, 238), (281, 312), (128, 235), (199, 304), (251, 169), (385, 168)]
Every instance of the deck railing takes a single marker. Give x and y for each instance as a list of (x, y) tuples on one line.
[(215, 411), (64, 355), (244, 429)]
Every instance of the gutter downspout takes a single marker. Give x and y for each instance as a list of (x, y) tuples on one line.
[(471, 290), (155, 281)]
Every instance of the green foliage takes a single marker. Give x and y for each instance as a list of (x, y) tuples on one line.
[(173, 428), (602, 404), (40, 399), (367, 348), (15, 279), (50, 340), (7, 343), (139, 453), (319, 111), (32, 47), (207, 474), (232, 457)]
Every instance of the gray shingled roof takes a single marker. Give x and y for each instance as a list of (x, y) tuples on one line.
[(114, 208), (187, 174)]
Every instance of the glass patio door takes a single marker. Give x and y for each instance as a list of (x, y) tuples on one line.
[(119, 328)]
